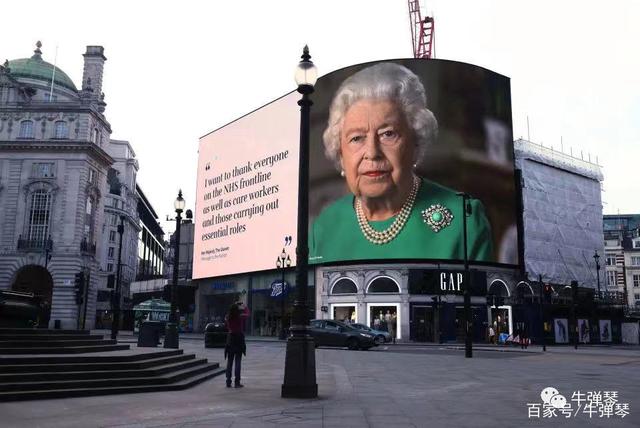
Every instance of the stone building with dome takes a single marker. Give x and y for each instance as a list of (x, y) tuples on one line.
[(55, 157)]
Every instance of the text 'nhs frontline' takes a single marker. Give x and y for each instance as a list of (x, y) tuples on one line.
[(234, 203)]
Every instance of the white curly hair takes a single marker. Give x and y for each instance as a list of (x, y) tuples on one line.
[(387, 81)]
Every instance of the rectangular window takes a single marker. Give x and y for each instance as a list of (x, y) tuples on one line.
[(635, 260), (39, 215), (26, 129), (88, 220), (636, 281), (61, 130), (114, 219), (611, 278), (93, 176), (611, 260), (112, 236), (111, 251), (109, 267), (42, 170)]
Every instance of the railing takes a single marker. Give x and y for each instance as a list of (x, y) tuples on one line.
[(610, 297), (35, 244), (87, 247)]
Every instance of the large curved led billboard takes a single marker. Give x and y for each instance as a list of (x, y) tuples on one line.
[(394, 146)]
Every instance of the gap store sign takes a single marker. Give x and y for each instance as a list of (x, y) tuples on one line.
[(439, 281)]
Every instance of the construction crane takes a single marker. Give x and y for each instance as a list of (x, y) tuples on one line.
[(422, 32)]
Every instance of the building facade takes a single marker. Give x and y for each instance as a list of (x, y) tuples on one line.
[(426, 299), (151, 247), (54, 161), (622, 257), (121, 209)]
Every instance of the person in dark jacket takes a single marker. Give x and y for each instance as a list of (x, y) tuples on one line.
[(235, 346)]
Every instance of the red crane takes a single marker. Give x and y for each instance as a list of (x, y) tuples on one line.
[(422, 32)]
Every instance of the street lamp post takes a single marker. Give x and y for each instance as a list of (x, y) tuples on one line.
[(596, 257), (574, 298), (466, 211), (283, 262), (542, 334), (300, 359), (115, 302), (171, 337)]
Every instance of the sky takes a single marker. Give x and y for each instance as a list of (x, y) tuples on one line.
[(176, 71)]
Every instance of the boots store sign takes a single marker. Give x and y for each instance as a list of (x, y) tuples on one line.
[(422, 281)]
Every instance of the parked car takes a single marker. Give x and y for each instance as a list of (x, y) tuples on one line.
[(336, 333), (379, 336), (215, 335)]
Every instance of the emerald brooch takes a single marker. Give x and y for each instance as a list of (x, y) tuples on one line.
[(437, 217)]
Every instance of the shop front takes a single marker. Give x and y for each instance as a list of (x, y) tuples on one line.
[(419, 304), (270, 301)]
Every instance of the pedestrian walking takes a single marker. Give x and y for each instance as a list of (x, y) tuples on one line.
[(235, 346), (492, 335), (524, 339), (391, 326)]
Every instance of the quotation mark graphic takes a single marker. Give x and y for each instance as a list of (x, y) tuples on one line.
[(207, 167), (287, 240)]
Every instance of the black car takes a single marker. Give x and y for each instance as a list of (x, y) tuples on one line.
[(336, 333), (215, 335)]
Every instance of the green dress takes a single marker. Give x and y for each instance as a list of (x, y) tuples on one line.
[(336, 235)]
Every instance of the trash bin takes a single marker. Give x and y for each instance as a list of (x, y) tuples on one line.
[(215, 335), (149, 335)]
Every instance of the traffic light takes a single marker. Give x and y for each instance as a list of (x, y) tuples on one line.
[(547, 291), (79, 287)]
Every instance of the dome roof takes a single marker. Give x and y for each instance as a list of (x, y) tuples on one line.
[(36, 68)]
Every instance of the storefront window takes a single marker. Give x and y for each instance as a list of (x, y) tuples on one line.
[(344, 312)]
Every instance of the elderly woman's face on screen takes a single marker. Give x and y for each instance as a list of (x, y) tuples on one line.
[(377, 149)]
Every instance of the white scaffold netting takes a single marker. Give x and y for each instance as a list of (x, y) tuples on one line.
[(562, 214)]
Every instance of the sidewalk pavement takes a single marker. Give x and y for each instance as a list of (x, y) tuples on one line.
[(435, 388), (127, 336)]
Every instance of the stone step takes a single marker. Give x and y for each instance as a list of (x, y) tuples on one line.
[(176, 381), (86, 359), (110, 373), (41, 331), (48, 337), (63, 350), (36, 343), (94, 366)]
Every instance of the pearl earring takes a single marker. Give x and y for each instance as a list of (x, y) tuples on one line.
[(342, 173)]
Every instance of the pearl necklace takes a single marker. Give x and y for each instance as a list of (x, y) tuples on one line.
[(390, 233)]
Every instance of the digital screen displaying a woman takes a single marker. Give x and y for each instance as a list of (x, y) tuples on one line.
[(378, 132)]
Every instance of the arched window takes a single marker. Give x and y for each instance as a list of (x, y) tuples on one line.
[(61, 130), (383, 284), (499, 288), (344, 286), (39, 214), (26, 129), (524, 292)]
